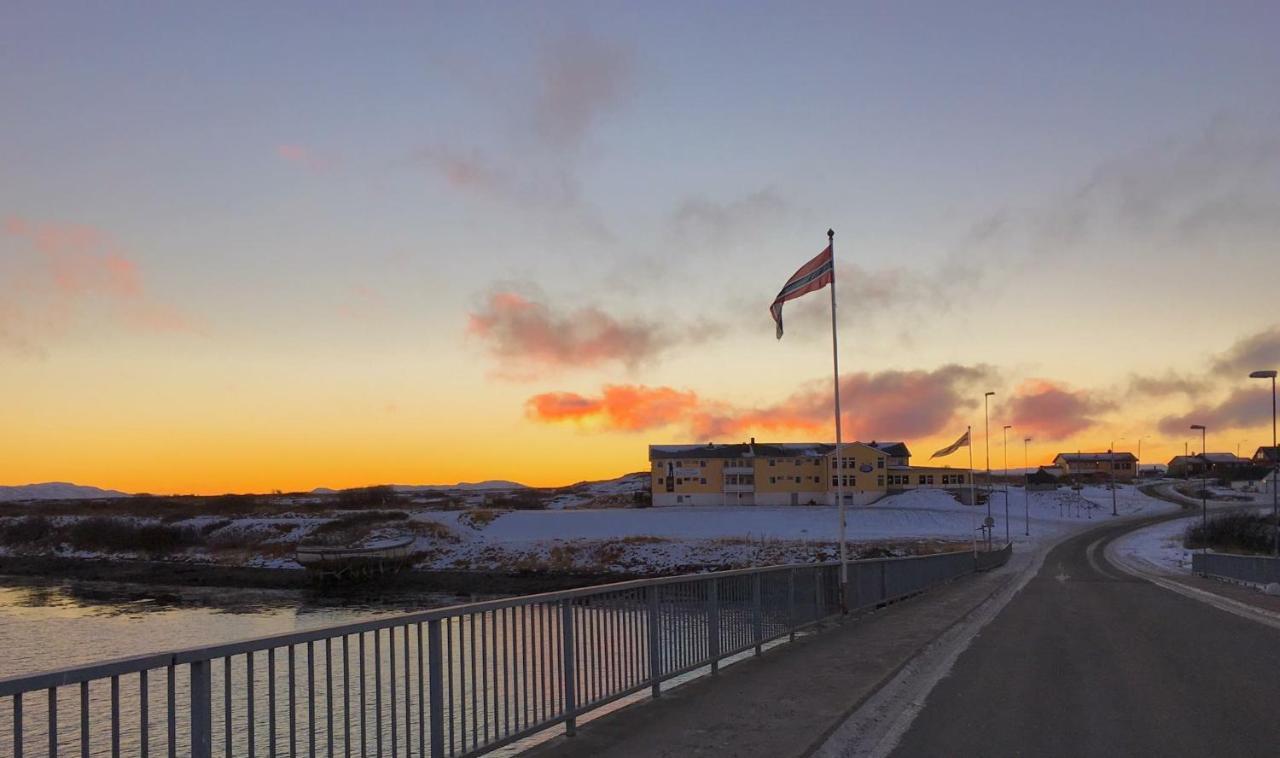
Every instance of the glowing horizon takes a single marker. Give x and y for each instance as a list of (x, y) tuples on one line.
[(233, 260)]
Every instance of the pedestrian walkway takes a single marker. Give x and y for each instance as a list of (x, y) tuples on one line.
[(786, 701)]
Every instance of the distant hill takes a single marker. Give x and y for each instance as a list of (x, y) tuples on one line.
[(56, 491)]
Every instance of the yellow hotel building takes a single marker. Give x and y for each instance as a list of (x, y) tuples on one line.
[(789, 473)]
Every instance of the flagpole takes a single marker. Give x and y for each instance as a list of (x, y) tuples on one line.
[(973, 497), (835, 364)]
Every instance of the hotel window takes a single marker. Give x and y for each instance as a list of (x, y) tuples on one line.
[(660, 480), (880, 463), (959, 478), (704, 480), (773, 480), (853, 481), (679, 481), (703, 464), (797, 480), (879, 481), (772, 462)]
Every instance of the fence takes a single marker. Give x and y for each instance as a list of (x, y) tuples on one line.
[(457, 681), (1251, 569)]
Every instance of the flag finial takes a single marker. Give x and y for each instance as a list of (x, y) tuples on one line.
[(831, 233)]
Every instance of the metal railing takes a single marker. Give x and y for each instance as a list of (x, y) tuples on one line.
[(455, 681), (1250, 569)]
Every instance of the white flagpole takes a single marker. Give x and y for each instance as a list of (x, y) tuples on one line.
[(973, 497), (835, 364)]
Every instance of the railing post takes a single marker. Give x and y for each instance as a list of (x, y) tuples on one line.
[(819, 602), (567, 656), (201, 711), (713, 625), (435, 688), (791, 602), (655, 653), (757, 610)]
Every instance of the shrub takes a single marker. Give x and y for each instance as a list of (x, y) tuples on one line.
[(367, 497), (519, 501), (104, 533), (354, 520), (1237, 532), (28, 530)]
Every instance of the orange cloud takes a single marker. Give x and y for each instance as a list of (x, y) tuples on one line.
[(534, 337), (1047, 410), (886, 404), (58, 270)]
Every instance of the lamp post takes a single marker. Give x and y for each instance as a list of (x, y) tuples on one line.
[(1004, 445), (1026, 489), (1275, 455), (1112, 463), (986, 433), (1204, 477)]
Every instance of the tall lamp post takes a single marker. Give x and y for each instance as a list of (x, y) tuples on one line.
[(1026, 489), (1204, 476), (986, 433), (1275, 455), (1004, 445)]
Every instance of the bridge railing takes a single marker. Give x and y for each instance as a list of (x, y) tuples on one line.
[(456, 681), (1251, 569)]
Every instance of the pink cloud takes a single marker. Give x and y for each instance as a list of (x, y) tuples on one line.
[(533, 336), (61, 271), (1041, 408), (303, 156)]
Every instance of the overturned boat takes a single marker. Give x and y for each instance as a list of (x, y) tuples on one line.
[(356, 562)]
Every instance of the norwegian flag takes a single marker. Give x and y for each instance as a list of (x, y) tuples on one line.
[(811, 277)]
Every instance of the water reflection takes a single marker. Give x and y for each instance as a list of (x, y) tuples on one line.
[(47, 623)]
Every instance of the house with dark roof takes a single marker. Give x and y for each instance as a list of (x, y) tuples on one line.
[(1266, 456), (898, 453), (1122, 466), (1042, 480)]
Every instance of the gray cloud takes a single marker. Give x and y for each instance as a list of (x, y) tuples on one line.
[(1242, 409), (1170, 383), (1257, 351)]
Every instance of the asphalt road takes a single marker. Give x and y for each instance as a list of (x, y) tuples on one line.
[(1089, 661)]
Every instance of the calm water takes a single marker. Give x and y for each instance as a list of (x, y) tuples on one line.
[(47, 624)]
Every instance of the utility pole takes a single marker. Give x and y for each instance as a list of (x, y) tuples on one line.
[(986, 433), (1004, 445), (1026, 489), (1112, 456)]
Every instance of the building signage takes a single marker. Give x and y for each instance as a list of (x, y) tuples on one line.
[(689, 471), (866, 468)]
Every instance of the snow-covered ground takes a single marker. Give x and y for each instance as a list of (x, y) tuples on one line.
[(1157, 548), (647, 540)]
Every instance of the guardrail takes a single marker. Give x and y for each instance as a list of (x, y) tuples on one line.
[(1251, 569), (457, 681)]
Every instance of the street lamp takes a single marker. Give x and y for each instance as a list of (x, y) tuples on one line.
[(986, 433), (1026, 489), (1004, 445), (1204, 476), (1275, 455)]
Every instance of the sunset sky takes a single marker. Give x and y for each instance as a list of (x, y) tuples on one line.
[(257, 246)]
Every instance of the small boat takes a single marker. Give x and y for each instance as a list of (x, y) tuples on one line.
[(356, 561)]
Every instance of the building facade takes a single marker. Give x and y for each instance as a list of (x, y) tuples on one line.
[(1122, 466), (805, 473)]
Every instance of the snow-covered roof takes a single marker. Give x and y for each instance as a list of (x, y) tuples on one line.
[(1222, 458)]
